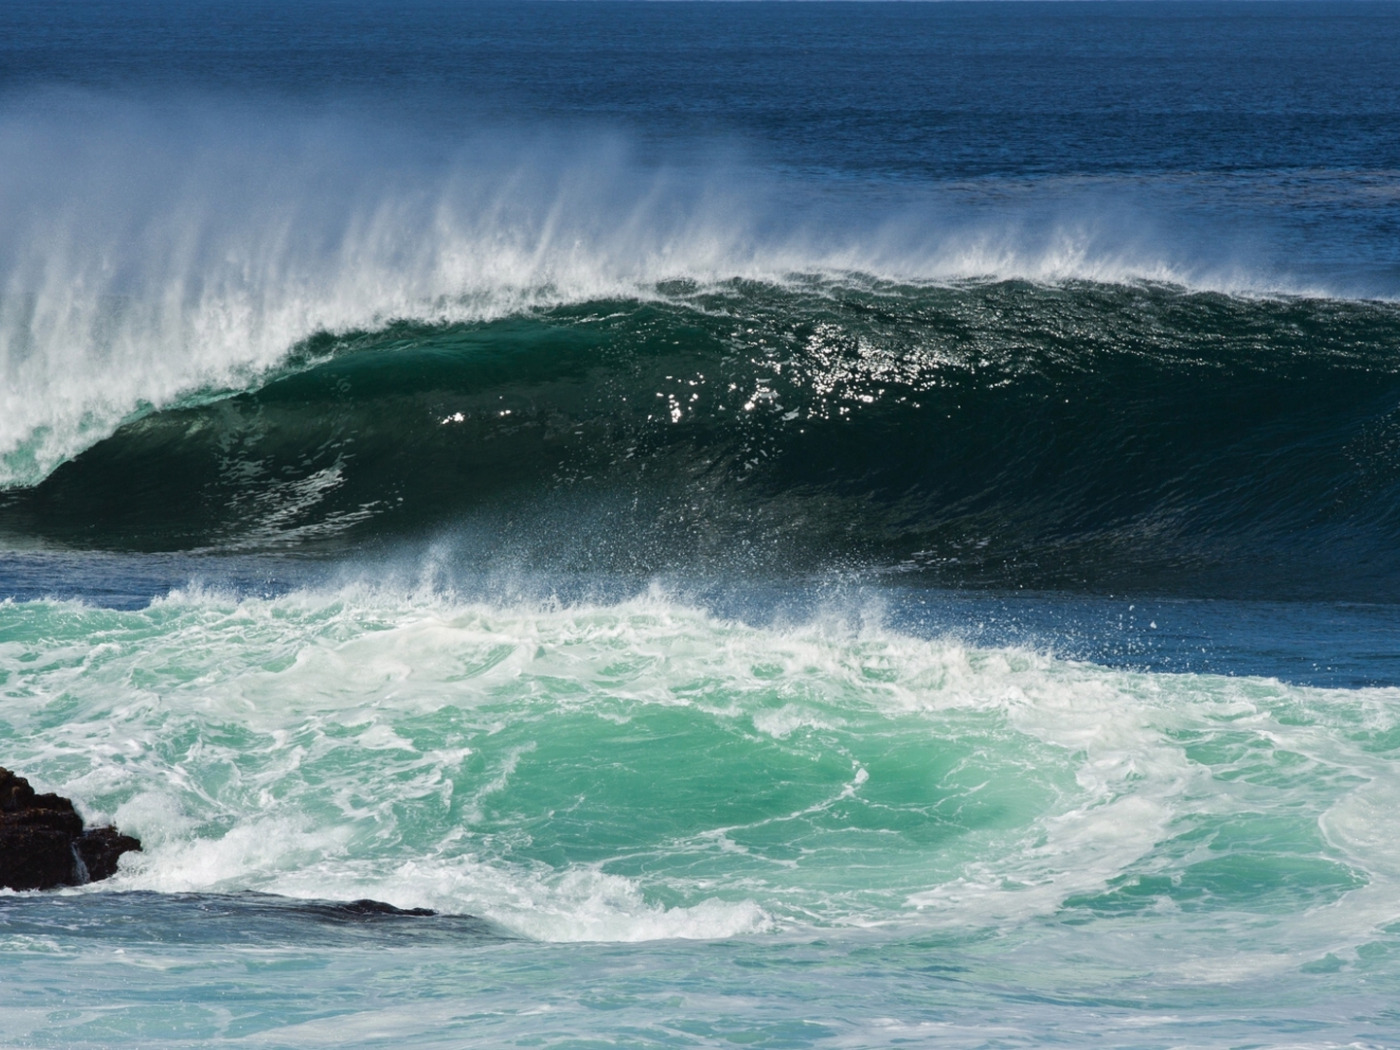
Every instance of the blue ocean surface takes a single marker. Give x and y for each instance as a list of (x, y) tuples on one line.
[(782, 524)]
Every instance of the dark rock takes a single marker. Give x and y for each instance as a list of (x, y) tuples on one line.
[(364, 910), (35, 858), (365, 906), (99, 848), (43, 844)]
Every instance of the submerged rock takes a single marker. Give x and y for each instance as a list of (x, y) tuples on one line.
[(43, 843), (363, 910), (366, 907)]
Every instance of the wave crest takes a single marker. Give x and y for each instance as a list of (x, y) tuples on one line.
[(1001, 434), (149, 257)]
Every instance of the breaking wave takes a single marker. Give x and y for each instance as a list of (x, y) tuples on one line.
[(998, 433)]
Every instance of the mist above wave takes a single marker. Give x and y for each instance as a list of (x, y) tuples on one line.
[(150, 255)]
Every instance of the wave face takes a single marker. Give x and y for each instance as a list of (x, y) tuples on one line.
[(1002, 433), (567, 349)]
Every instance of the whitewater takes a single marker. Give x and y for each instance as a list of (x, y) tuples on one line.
[(779, 524), (901, 811)]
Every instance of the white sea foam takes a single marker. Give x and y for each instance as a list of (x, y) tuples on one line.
[(477, 758), (150, 257)]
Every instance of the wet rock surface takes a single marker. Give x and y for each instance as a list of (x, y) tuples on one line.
[(43, 843)]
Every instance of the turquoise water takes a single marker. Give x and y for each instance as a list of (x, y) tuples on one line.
[(680, 829)]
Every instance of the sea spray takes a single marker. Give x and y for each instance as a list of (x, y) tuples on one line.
[(158, 256)]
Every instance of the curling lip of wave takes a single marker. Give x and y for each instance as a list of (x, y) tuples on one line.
[(114, 360), (146, 264), (1004, 433)]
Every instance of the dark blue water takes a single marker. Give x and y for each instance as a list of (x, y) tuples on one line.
[(917, 91), (1268, 130)]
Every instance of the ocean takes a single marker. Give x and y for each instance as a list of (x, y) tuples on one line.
[(782, 524)]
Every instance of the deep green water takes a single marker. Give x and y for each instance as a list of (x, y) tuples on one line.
[(1139, 437)]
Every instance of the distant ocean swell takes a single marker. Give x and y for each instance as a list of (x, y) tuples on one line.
[(991, 432)]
